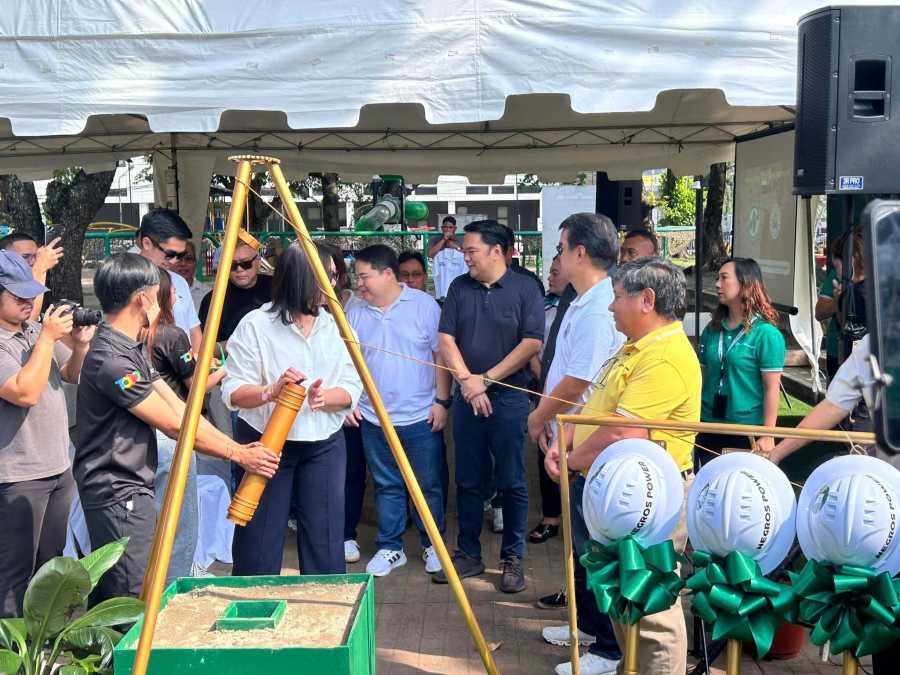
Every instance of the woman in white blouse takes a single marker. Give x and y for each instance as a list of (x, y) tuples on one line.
[(292, 340)]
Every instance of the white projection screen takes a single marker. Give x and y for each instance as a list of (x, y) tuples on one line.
[(765, 211)]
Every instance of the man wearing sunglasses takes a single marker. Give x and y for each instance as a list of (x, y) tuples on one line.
[(162, 239), (247, 290)]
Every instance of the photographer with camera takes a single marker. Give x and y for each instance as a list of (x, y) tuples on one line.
[(121, 401), (36, 485)]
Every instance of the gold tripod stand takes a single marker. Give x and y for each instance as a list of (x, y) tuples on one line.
[(160, 555)]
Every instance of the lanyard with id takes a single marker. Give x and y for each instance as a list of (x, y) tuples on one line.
[(720, 400)]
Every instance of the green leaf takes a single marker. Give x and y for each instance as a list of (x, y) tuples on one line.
[(99, 561), (112, 612), (10, 662), (72, 669), (58, 588), (12, 633), (97, 641)]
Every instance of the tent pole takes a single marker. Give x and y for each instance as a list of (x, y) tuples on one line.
[(390, 434), (164, 538), (699, 262)]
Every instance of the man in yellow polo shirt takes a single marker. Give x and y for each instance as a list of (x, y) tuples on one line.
[(656, 375)]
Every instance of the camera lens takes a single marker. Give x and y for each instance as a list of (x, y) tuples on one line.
[(85, 317)]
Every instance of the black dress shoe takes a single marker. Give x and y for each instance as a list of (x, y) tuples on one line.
[(553, 601), (542, 533)]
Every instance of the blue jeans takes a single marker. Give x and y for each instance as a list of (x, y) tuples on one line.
[(477, 438), (188, 531), (590, 619), (423, 448)]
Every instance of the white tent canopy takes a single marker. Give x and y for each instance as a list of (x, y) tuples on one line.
[(480, 88)]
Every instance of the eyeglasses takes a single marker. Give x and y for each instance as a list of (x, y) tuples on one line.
[(169, 253), (243, 264)]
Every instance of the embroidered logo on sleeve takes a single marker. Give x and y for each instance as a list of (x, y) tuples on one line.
[(187, 357), (128, 381)]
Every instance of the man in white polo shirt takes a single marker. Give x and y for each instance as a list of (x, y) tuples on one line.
[(588, 249), (400, 320), (162, 239)]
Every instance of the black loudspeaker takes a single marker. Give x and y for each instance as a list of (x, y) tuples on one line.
[(620, 200), (847, 134)]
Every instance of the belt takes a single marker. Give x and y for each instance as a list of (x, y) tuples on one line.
[(686, 474)]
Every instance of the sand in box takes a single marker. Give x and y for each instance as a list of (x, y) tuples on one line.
[(317, 615)]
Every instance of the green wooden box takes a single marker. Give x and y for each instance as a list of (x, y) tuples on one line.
[(356, 655)]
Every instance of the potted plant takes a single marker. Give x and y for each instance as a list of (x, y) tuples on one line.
[(58, 634)]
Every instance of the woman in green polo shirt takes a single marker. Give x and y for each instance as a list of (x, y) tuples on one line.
[(742, 355)]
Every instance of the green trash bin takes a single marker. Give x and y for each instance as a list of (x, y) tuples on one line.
[(237, 632)]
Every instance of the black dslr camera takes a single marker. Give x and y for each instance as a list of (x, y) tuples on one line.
[(80, 315)]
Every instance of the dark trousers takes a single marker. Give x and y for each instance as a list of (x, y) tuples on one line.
[(34, 514), (355, 481), (135, 518), (476, 439), (311, 475), (590, 619), (551, 505), (714, 443)]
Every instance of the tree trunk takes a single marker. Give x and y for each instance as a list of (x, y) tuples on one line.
[(331, 214), (714, 252), (20, 202), (71, 206)]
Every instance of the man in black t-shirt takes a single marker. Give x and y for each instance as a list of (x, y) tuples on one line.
[(247, 290), (121, 401)]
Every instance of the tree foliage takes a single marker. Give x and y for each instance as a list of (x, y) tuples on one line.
[(676, 200)]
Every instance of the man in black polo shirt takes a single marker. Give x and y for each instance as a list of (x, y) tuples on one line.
[(247, 290), (121, 400), (492, 323)]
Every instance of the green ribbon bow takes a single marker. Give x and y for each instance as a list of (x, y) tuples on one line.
[(734, 597), (630, 581), (854, 608)]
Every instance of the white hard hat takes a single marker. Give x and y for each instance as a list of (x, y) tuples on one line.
[(742, 502), (848, 513), (632, 488)]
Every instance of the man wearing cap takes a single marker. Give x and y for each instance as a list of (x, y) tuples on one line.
[(41, 259), (36, 485), (654, 376)]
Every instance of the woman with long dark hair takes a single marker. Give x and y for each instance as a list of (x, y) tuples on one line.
[(292, 340), (169, 349), (742, 355)]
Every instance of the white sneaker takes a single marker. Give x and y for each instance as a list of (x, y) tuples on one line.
[(432, 562), (559, 636), (197, 570), (351, 551), (497, 525), (589, 664), (384, 561)]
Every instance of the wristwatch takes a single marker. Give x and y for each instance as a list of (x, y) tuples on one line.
[(444, 402)]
